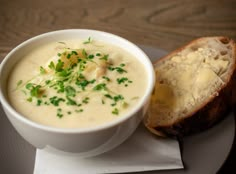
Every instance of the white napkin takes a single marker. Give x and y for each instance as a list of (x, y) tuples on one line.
[(141, 152)]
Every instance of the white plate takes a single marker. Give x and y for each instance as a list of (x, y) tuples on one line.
[(203, 153)]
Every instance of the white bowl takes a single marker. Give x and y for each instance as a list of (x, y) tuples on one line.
[(85, 141)]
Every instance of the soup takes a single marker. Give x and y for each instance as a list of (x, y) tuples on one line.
[(76, 83)]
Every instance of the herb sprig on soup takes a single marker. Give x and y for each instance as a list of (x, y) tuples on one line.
[(76, 83)]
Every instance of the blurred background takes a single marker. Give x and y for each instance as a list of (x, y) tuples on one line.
[(164, 24)]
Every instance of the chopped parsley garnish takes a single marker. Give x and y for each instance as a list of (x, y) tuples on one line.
[(82, 83), (70, 91), (51, 65), (122, 80), (34, 89), (108, 96), (70, 101), (74, 52), (88, 41), (59, 66), (84, 53), (68, 56), (118, 69), (59, 113), (39, 101), (29, 99), (99, 87), (19, 83), (115, 111), (56, 100), (78, 111), (47, 82), (68, 77), (85, 100), (106, 78), (105, 57), (91, 56)]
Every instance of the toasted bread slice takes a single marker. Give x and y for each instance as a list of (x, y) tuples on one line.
[(194, 87)]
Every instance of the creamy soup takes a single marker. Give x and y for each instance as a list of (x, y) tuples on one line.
[(76, 84)]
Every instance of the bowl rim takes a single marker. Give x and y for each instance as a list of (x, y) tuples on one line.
[(20, 117)]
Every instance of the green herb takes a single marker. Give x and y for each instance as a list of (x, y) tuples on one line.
[(105, 57), (64, 73), (68, 56), (59, 54), (29, 86), (42, 70), (74, 52), (88, 41), (92, 81), (60, 86), (85, 100), (84, 53), (69, 112), (108, 96), (106, 78), (56, 100), (51, 65), (122, 80), (81, 76), (99, 87), (19, 83), (124, 104), (59, 114), (98, 54), (47, 82), (39, 101), (115, 111), (35, 91), (29, 99), (122, 65), (118, 97), (59, 66), (82, 83), (70, 91), (91, 56), (118, 69), (78, 111), (70, 101)]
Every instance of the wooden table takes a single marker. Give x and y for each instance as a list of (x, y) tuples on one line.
[(165, 24)]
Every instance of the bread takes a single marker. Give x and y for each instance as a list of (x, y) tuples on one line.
[(194, 87)]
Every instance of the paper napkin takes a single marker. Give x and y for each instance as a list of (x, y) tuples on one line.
[(141, 152)]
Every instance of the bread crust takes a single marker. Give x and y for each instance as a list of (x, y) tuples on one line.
[(211, 111)]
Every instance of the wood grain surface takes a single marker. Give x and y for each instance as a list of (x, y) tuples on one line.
[(165, 24)]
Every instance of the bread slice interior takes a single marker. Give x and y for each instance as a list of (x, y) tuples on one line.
[(189, 78)]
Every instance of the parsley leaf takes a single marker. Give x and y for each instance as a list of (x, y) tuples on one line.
[(88, 41), (19, 83), (56, 100), (70, 91), (99, 87), (105, 57), (70, 101), (42, 70), (59, 66), (115, 111)]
